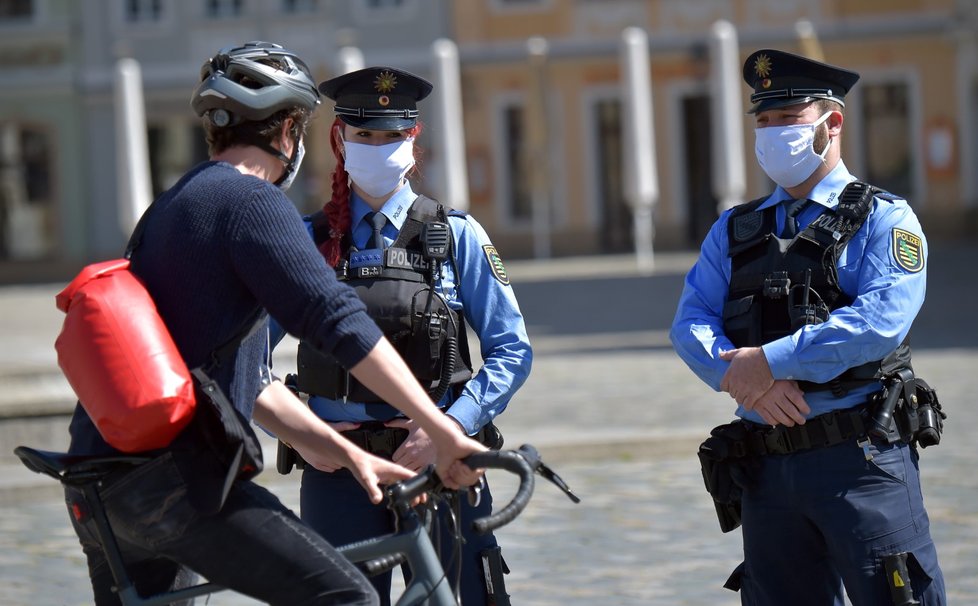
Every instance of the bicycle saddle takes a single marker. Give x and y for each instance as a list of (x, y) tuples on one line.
[(64, 467)]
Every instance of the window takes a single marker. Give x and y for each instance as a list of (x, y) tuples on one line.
[(503, 6), (143, 11), (35, 157), (889, 156), (971, 187), (294, 7), (224, 8), (174, 147), (16, 10), (519, 201), (616, 224), (382, 4), (26, 192), (383, 11)]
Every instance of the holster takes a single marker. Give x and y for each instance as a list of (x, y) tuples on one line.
[(493, 569), (722, 457), (907, 410)]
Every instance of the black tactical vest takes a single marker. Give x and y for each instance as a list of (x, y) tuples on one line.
[(397, 285), (777, 285)]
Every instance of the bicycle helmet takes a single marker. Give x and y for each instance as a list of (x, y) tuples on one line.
[(252, 82)]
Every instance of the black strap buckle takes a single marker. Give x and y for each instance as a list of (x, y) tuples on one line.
[(778, 442), (786, 440), (383, 441), (777, 285), (833, 433)]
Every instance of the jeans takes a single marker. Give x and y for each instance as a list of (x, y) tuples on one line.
[(254, 545), (818, 522), (337, 506)]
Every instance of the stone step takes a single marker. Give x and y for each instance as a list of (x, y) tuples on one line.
[(36, 392)]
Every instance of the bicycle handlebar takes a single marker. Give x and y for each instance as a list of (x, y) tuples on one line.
[(403, 493), (512, 461)]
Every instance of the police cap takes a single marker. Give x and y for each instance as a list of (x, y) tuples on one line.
[(780, 79), (378, 98)]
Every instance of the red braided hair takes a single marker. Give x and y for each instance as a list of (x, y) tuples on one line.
[(337, 208)]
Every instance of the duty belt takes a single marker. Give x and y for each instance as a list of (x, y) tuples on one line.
[(376, 438), (822, 431)]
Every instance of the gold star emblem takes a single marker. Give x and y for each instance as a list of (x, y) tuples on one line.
[(385, 82), (762, 66)]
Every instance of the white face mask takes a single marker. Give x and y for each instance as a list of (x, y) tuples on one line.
[(292, 168), (379, 169), (786, 153)]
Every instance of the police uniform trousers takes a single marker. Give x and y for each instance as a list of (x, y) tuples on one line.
[(816, 522), (338, 508)]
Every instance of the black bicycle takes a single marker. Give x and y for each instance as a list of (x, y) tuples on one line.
[(411, 544)]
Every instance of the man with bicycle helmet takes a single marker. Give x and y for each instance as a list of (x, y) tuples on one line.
[(218, 249)]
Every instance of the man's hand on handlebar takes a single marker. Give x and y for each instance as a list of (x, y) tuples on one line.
[(453, 472), (373, 472)]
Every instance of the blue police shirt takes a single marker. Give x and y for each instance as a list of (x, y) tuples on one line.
[(485, 298), (883, 269)]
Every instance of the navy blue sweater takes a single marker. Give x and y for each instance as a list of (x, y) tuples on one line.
[(219, 246)]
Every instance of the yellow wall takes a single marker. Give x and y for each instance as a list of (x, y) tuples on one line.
[(927, 60)]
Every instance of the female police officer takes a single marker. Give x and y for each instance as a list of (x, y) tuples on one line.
[(424, 272)]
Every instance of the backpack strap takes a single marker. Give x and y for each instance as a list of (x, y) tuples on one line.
[(228, 348), (137, 232)]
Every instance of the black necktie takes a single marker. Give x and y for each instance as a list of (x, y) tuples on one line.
[(378, 220), (792, 209)]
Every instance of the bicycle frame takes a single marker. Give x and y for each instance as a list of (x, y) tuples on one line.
[(428, 585)]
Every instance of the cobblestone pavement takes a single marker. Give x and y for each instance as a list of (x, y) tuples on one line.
[(645, 532), (609, 406)]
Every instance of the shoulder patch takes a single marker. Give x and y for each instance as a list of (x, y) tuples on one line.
[(746, 226), (496, 263), (908, 250)]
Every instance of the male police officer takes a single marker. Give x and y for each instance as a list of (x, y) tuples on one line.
[(798, 307)]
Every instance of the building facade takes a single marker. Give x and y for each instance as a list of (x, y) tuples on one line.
[(542, 107), (911, 123)]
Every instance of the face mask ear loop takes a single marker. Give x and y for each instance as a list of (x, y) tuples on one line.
[(828, 144)]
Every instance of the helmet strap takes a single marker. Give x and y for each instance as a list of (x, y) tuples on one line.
[(267, 147), (289, 163)]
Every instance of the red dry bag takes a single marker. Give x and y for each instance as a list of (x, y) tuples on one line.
[(120, 359)]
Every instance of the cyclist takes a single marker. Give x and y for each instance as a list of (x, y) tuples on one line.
[(221, 245), (424, 272)]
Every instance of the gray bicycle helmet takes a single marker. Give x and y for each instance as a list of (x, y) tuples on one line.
[(252, 82)]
